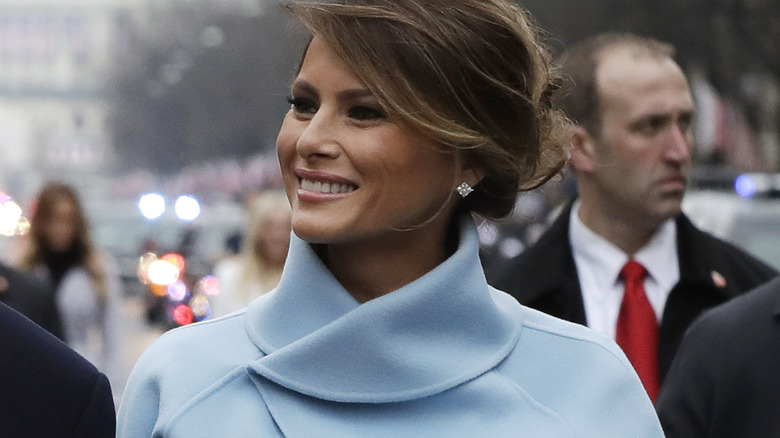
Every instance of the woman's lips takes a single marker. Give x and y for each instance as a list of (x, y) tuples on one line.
[(323, 183), (326, 187)]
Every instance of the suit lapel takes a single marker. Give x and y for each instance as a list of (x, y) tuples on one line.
[(699, 288), (553, 286)]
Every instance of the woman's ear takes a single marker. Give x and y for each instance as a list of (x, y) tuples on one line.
[(470, 174), (582, 149)]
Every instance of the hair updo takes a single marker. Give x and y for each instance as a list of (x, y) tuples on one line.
[(472, 74)]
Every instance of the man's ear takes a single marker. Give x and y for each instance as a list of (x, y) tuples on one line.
[(582, 149)]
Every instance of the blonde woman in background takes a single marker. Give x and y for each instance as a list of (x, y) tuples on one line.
[(86, 280), (258, 267)]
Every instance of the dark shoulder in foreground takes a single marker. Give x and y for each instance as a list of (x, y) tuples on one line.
[(742, 315), (31, 296), (47, 389), (724, 380)]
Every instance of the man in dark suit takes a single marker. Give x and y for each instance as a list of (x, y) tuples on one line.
[(46, 389), (724, 381), (623, 259), (32, 297)]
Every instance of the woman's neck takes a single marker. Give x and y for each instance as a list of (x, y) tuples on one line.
[(370, 270)]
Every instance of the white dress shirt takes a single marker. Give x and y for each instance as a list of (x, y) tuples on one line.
[(599, 263)]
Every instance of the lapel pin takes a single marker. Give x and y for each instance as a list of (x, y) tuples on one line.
[(718, 279)]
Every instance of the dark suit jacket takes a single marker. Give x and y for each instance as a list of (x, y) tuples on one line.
[(32, 297), (46, 389), (544, 277), (725, 381)]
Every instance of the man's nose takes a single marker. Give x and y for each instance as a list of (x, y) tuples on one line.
[(680, 145)]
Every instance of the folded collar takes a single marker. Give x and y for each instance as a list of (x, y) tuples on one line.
[(437, 332)]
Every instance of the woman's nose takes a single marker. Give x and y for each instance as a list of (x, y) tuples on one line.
[(319, 137)]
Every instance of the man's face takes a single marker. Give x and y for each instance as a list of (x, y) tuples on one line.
[(643, 151)]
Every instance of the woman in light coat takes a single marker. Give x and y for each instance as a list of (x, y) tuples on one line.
[(405, 117)]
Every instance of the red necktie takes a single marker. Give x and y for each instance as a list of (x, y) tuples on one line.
[(637, 328)]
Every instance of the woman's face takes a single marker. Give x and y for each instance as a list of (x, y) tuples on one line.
[(61, 228), (273, 241), (354, 175)]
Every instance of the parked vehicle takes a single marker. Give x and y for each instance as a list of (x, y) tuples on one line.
[(747, 215)]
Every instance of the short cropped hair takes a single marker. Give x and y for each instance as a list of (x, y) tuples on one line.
[(579, 96)]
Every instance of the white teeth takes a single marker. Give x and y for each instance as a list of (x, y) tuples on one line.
[(326, 187)]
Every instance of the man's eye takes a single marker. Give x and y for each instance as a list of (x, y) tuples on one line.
[(366, 113), (652, 125), (302, 105), (685, 122)]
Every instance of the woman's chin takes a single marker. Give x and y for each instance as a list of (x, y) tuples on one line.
[(313, 234)]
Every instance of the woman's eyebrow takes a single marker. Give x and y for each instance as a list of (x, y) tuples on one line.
[(302, 85), (354, 93)]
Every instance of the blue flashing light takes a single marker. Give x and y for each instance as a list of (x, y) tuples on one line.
[(745, 186)]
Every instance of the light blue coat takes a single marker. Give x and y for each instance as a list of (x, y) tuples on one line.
[(444, 356)]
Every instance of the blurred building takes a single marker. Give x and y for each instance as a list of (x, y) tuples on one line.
[(55, 58)]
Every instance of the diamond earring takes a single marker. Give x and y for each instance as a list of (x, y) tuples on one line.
[(464, 189)]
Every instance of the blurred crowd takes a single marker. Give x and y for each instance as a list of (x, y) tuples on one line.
[(62, 280)]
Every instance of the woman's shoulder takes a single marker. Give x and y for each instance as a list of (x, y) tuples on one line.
[(211, 347), (541, 328), (179, 367), (580, 374), (76, 279), (557, 331)]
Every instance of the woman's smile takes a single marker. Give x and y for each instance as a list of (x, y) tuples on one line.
[(322, 183), (353, 174), (326, 187)]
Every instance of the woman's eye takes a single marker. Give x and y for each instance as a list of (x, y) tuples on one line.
[(366, 113), (302, 105)]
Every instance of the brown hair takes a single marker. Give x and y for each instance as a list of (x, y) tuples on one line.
[(38, 248), (579, 96), (472, 74)]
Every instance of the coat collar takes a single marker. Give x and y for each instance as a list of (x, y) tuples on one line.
[(555, 251), (433, 334), (697, 260)]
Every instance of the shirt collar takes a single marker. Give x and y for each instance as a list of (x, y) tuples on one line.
[(658, 256), (437, 332), (604, 259)]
